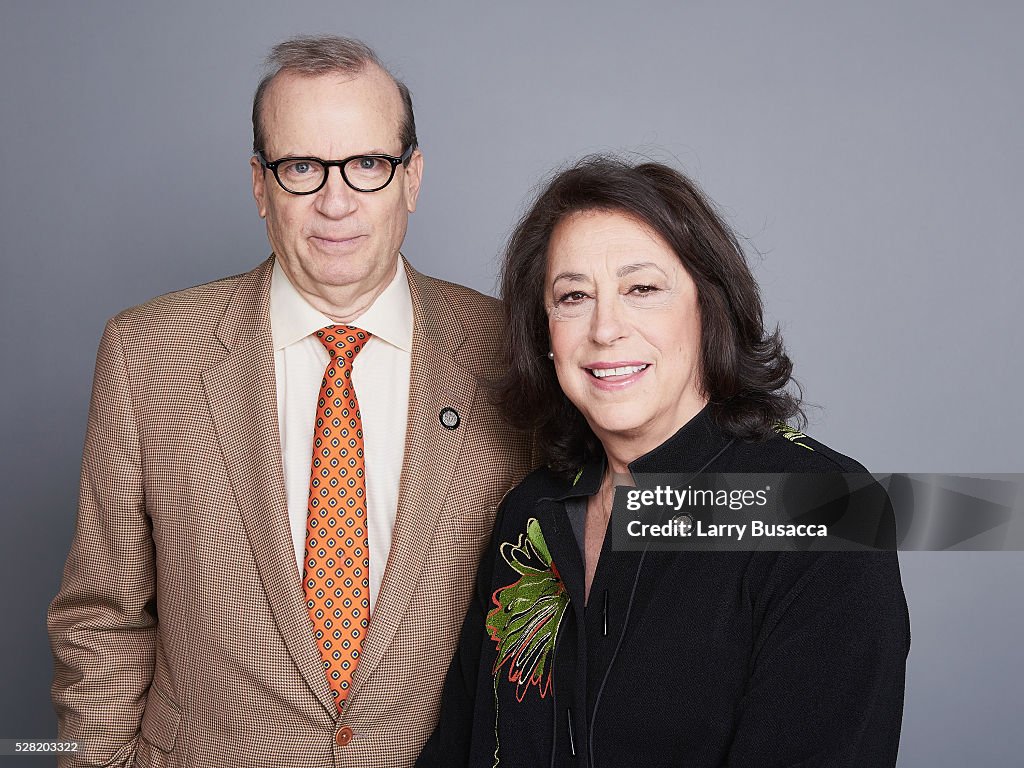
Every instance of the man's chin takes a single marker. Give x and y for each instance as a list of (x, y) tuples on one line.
[(359, 275)]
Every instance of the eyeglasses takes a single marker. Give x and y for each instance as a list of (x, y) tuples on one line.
[(363, 173)]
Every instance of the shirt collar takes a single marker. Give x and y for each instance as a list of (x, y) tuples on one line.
[(389, 318)]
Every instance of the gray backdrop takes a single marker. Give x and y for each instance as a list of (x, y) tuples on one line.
[(869, 151)]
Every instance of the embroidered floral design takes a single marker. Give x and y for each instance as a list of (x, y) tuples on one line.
[(527, 615), (793, 435)]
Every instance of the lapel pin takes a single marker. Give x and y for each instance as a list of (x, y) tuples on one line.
[(449, 418)]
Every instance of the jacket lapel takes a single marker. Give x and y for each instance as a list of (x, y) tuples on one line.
[(241, 393), (436, 381)]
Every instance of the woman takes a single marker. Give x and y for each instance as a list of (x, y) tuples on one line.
[(636, 345)]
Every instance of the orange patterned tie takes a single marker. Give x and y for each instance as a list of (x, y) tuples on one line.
[(337, 559)]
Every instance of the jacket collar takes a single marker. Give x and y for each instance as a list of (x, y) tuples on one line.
[(241, 395), (691, 449), (246, 319), (440, 379)]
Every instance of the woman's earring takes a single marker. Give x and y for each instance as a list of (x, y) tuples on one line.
[(551, 355)]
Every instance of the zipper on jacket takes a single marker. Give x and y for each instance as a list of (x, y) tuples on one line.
[(568, 727), (625, 624), (554, 708), (605, 617), (554, 700)]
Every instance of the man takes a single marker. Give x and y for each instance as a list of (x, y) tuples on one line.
[(261, 447)]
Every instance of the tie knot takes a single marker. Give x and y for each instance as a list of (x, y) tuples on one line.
[(343, 342)]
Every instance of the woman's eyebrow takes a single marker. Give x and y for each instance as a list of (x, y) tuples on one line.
[(629, 269), (574, 277)]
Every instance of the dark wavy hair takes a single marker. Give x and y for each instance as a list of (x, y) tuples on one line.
[(744, 369)]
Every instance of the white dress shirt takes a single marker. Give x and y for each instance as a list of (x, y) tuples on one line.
[(380, 375)]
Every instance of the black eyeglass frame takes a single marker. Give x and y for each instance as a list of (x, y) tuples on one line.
[(328, 164)]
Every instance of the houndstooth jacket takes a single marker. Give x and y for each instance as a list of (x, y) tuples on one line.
[(180, 635)]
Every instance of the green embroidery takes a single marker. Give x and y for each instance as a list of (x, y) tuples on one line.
[(526, 617), (793, 435), (578, 476)]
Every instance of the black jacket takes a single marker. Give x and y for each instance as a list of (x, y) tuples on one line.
[(713, 659)]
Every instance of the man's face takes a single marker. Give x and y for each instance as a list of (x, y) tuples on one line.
[(339, 247)]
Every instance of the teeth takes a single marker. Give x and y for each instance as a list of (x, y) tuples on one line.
[(625, 370)]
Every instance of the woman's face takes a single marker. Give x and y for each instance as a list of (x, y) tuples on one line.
[(625, 330)]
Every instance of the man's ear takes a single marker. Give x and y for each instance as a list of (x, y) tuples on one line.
[(259, 188), (413, 177)]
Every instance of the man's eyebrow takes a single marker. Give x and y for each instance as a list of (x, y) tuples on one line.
[(629, 269), (294, 155)]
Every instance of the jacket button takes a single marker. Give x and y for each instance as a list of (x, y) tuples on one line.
[(343, 736)]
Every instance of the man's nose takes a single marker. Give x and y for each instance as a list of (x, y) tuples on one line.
[(336, 198)]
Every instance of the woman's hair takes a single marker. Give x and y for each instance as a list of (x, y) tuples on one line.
[(744, 370)]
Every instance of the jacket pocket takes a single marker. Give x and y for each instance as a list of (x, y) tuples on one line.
[(160, 721)]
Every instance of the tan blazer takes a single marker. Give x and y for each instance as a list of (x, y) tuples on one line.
[(179, 634)]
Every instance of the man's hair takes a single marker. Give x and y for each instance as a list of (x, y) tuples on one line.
[(311, 56), (744, 369)]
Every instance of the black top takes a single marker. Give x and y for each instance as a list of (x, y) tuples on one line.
[(694, 659)]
